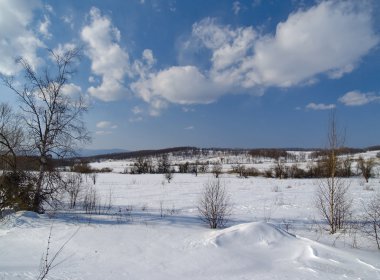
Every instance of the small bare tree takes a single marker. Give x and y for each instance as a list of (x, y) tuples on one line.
[(73, 186), (214, 205), (217, 169), (365, 166), (332, 199), (371, 219), (169, 175), (94, 176)]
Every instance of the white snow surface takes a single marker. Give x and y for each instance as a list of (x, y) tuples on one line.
[(153, 231)]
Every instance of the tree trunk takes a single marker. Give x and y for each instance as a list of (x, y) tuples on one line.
[(38, 196)]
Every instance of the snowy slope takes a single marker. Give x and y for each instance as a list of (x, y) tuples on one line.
[(158, 251), (152, 231)]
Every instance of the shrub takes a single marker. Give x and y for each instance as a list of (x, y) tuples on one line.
[(365, 166), (217, 169), (82, 168), (73, 186), (214, 204), (16, 191), (371, 217)]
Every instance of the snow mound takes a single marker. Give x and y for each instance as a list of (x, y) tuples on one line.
[(259, 233), (261, 247), (23, 219)]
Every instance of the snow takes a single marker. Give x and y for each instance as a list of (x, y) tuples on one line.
[(153, 231)]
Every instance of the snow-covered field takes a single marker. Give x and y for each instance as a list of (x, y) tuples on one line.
[(153, 231)]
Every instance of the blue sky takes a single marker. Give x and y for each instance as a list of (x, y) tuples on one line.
[(209, 73)]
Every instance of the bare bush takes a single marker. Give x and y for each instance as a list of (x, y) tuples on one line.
[(11, 137), (93, 204), (332, 199), (214, 205), (49, 260), (203, 167), (333, 202), (163, 164), (365, 166), (91, 201), (280, 170), (217, 169), (240, 170), (169, 175), (16, 191), (73, 186), (371, 219), (94, 176)]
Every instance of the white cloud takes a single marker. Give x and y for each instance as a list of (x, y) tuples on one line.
[(44, 27), (236, 7), (178, 84), (61, 49), (109, 59), (49, 8), (323, 39), (256, 3), (186, 109), (69, 20), (103, 132), (189, 127), (137, 110), (17, 36), (357, 98), (320, 106), (72, 90), (137, 119), (320, 40), (106, 124)]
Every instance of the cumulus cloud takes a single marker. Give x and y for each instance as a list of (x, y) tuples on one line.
[(236, 7), (357, 98), (321, 40), (17, 36), (137, 119), (69, 20), (178, 84), (61, 49), (44, 27), (108, 59), (320, 106), (106, 124), (71, 90), (136, 110)]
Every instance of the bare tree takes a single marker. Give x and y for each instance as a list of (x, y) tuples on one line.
[(217, 169), (169, 175), (163, 164), (52, 119), (214, 204), (365, 166), (371, 219), (332, 199)]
